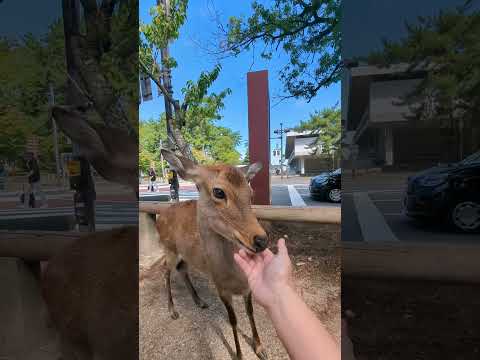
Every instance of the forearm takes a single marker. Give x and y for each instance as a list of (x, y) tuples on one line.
[(300, 331)]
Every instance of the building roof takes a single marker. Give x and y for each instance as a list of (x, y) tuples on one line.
[(297, 144), (299, 133)]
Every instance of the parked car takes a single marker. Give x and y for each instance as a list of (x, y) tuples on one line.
[(327, 185), (448, 192)]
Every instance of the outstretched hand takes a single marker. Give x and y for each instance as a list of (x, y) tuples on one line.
[(268, 274)]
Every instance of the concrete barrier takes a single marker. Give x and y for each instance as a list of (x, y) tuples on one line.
[(403, 260), (42, 222), (317, 214)]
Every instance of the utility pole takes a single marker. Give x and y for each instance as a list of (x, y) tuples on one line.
[(280, 132), (82, 182), (55, 134), (167, 83), (161, 160)]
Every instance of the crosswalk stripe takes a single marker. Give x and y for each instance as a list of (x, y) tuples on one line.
[(106, 215), (372, 222), (295, 197)]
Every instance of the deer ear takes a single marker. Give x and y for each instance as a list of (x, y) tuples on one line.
[(252, 170), (183, 166), (74, 124)]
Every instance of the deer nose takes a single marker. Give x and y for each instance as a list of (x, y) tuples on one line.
[(260, 243)]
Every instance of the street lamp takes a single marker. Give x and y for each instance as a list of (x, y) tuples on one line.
[(280, 132)]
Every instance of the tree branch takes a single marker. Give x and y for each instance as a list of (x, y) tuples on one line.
[(162, 88)]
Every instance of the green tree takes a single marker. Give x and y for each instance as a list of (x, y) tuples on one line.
[(443, 51), (105, 57), (324, 124), (210, 143), (307, 31), (151, 133), (28, 67), (246, 158), (194, 117)]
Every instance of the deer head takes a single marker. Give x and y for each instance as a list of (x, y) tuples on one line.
[(112, 152), (225, 200)]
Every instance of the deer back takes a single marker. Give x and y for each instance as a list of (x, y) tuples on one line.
[(91, 289)]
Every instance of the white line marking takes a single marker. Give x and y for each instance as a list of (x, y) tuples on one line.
[(282, 185), (387, 200), (295, 197), (373, 224)]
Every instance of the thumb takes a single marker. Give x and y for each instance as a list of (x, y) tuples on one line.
[(282, 248)]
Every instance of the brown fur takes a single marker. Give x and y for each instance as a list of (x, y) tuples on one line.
[(205, 234), (91, 290)]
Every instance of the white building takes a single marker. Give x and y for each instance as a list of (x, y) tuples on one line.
[(378, 125), (276, 156), (300, 153)]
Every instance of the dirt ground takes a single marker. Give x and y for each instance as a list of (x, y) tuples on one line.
[(206, 333), (405, 319)]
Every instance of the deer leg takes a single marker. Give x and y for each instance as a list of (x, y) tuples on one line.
[(182, 268), (227, 301), (171, 306), (257, 345)]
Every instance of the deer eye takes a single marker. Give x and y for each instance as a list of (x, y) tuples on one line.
[(218, 193)]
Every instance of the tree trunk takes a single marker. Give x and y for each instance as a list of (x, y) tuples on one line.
[(173, 127), (85, 56)]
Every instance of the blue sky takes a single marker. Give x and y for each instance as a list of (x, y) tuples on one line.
[(191, 59)]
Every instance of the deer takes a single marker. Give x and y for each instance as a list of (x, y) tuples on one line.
[(90, 286), (204, 234)]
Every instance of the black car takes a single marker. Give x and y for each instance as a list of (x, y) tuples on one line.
[(449, 192), (327, 186)]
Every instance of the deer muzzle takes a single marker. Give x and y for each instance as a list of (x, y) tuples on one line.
[(260, 243)]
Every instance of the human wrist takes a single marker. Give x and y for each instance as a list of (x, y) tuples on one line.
[(281, 294)]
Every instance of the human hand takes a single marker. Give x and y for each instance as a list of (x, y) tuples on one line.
[(268, 274)]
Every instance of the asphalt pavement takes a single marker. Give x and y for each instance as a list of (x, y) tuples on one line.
[(292, 191), (372, 210)]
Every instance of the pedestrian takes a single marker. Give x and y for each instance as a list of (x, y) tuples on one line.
[(34, 185), (174, 185), (153, 177), (3, 175)]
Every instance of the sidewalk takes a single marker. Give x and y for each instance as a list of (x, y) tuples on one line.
[(290, 180), (375, 182), (50, 191)]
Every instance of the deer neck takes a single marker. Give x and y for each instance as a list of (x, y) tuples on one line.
[(218, 253)]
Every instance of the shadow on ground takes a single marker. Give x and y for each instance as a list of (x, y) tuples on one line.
[(206, 333)]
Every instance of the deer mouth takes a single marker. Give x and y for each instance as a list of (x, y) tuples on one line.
[(246, 247), (242, 244)]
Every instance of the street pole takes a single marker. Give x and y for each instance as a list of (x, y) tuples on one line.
[(55, 134), (167, 82), (85, 194), (161, 161), (281, 150), (280, 132)]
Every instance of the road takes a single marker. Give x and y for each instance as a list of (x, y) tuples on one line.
[(108, 214), (372, 210), (287, 192), (115, 206)]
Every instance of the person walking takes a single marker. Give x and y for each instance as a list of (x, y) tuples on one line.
[(153, 177), (174, 185), (34, 184)]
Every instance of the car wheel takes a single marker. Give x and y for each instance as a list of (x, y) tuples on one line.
[(466, 216), (335, 195)]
